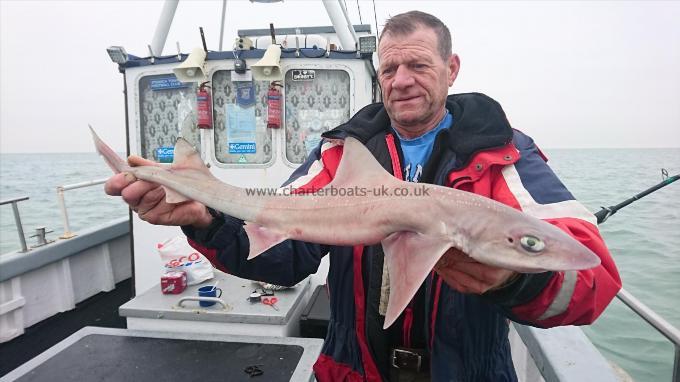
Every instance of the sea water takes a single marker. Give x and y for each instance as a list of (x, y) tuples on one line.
[(38, 176), (644, 237)]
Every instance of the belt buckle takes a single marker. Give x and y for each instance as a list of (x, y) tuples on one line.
[(408, 354)]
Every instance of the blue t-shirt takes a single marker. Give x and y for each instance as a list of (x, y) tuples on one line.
[(418, 150)]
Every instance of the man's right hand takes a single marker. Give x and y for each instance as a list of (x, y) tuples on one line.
[(148, 200)]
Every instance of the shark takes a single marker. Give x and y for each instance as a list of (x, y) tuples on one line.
[(413, 239)]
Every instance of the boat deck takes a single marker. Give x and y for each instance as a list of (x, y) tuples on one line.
[(99, 310), (96, 354)]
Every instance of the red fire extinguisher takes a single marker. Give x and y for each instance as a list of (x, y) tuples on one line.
[(274, 105), (204, 107)]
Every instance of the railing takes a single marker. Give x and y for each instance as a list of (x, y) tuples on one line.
[(658, 323), (17, 219), (62, 203)]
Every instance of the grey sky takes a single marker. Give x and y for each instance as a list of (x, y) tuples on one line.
[(570, 74)]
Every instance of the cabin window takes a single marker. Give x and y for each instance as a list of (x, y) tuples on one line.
[(165, 105), (316, 101), (240, 116)]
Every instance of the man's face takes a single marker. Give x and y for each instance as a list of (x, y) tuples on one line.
[(415, 80)]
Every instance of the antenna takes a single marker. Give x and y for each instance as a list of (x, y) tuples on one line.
[(271, 31), (205, 47)]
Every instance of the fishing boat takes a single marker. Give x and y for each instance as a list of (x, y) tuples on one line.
[(254, 112)]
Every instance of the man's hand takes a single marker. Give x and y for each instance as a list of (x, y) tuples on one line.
[(148, 200), (466, 275)]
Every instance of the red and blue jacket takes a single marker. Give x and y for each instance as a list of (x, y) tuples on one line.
[(466, 335)]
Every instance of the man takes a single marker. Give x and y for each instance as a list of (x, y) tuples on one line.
[(456, 327)]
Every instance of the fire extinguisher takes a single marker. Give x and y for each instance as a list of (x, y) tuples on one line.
[(274, 105), (204, 107)]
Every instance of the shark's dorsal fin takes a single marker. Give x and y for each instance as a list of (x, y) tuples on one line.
[(185, 157), (359, 167)]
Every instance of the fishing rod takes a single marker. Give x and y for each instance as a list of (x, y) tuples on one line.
[(604, 214)]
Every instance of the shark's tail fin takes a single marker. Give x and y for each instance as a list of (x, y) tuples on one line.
[(116, 163)]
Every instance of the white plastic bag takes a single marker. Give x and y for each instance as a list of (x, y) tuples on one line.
[(177, 255)]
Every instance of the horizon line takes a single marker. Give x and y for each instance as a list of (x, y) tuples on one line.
[(542, 148)]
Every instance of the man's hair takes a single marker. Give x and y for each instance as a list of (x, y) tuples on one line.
[(406, 23)]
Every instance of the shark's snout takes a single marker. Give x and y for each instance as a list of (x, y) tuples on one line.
[(534, 247)]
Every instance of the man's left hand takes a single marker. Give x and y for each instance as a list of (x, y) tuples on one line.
[(467, 275)]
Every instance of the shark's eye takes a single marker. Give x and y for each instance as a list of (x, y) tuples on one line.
[(532, 243)]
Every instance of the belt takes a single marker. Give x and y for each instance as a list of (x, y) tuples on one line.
[(407, 359)]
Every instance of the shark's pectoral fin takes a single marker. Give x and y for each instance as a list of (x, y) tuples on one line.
[(261, 239), (174, 197), (410, 257)]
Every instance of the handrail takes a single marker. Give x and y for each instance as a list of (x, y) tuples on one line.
[(642, 310), (17, 219), (657, 322), (62, 203), (12, 200)]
